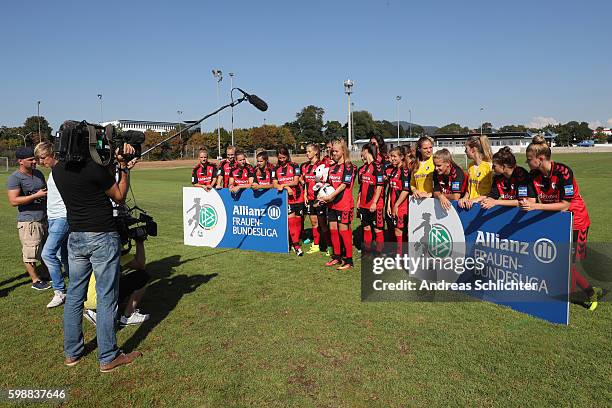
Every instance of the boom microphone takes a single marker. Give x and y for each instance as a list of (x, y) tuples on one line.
[(255, 101)]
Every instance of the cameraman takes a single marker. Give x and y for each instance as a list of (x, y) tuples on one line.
[(93, 244), (132, 287)]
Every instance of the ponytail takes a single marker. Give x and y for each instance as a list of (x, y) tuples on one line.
[(482, 144), (505, 157), (538, 146)]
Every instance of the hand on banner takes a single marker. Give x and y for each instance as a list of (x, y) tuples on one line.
[(526, 205), (487, 203), (445, 202), (465, 203)]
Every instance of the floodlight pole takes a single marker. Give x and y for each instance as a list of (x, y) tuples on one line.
[(398, 98), (231, 74), (219, 77), (348, 90)]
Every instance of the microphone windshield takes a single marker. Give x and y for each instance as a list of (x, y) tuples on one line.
[(257, 102)]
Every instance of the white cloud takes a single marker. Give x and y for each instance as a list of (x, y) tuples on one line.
[(539, 122), (595, 124), (610, 121)]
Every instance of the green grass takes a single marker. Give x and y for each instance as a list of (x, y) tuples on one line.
[(238, 328)]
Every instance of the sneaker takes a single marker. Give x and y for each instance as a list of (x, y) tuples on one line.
[(298, 251), (307, 241), (313, 249), (72, 361), (345, 266), (135, 318), (90, 316), (41, 285), (121, 360), (592, 302), (58, 299), (332, 262), (329, 252)]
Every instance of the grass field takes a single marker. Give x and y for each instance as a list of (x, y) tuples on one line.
[(233, 328)]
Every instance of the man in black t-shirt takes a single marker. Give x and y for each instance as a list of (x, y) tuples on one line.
[(93, 244)]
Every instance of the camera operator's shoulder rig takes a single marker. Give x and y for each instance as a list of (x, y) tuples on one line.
[(77, 142)]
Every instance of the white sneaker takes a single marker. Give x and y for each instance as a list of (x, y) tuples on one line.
[(58, 298), (135, 318), (90, 315)]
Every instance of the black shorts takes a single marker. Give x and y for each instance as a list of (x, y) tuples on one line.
[(131, 282), (320, 210), (374, 219), (297, 209), (579, 244), (343, 217)]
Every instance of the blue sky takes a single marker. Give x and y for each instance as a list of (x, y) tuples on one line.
[(523, 61)]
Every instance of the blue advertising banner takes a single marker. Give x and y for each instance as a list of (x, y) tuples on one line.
[(510, 257), (249, 219)]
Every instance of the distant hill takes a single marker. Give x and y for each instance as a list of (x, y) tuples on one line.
[(430, 130)]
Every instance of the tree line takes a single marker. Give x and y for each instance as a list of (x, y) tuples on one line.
[(309, 126)]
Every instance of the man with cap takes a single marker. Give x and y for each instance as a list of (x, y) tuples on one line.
[(27, 191)]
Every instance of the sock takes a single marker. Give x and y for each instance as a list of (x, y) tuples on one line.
[(399, 242), (335, 239), (294, 230), (347, 240), (577, 278), (380, 240), (367, 240), (316, 236)]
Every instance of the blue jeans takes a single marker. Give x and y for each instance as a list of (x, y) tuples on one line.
[(100, 252), (57, 242)]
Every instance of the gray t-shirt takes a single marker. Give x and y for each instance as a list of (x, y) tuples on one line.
[(28, 185)]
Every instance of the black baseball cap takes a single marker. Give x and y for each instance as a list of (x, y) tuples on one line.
[(24, 152)]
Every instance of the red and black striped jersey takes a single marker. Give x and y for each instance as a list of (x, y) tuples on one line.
[(241, 175), (225, 169), (342, 174), (308, 174), (519, 185), (398, 180), (560, 185), (327, 161), (370, 176), (203, 174), (264, 177), (453, 183), (284, 175)]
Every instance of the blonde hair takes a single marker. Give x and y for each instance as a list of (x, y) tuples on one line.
[(44, 148), (482, 144), (444, 155), (345, 151), (316, 149), (419, 145), (538, 146)]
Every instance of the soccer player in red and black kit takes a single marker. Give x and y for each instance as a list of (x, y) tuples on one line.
[(204, 174), (288, 178), (225, 167), (316, 211), (398, 179), (557, 190), (511, 183), (241, 175), (449, 181), (263, 174), (371, 198), (341, 205)]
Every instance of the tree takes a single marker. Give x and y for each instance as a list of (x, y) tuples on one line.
[(308, 126), (600, 136), (31, 125), (452, 128), (486, 127), (388, 130), (414, 130), (334, 130), (513, 128), (363, 125)]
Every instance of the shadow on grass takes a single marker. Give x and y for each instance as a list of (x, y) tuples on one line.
[(164, 292), (5, 291)]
